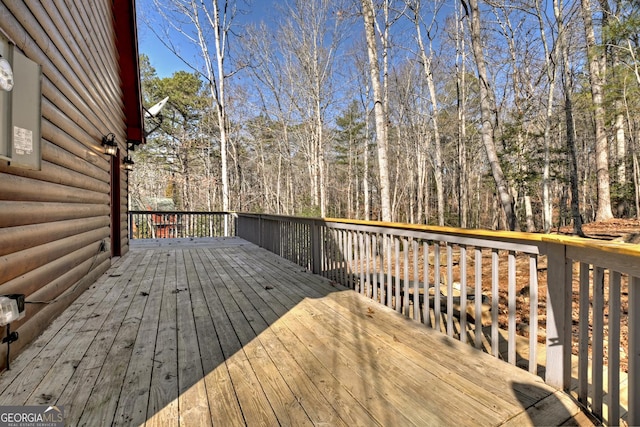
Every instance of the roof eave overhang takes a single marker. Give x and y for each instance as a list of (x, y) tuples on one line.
[(124, 12)]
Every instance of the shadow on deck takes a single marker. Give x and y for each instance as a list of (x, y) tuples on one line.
[(219, 331)]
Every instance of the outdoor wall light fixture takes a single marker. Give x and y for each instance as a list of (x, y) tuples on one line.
[(128, 163), (132, 144), (11, 309), (110, 144)]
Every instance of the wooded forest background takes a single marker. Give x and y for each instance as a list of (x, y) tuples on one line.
[(494, 114)]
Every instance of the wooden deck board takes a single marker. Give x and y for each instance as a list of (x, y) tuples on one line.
[(220, 332)]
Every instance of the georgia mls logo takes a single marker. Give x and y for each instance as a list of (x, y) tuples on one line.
[(31, 416)]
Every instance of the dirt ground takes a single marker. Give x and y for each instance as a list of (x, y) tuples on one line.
[(624, 230)]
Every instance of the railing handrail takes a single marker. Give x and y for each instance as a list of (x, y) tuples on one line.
[(175, 212)]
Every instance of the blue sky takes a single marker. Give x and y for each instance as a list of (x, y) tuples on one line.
[(166, 62)]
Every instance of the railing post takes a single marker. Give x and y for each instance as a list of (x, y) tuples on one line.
[(130, 226), (315, 248), (558, 345), (634, 352)]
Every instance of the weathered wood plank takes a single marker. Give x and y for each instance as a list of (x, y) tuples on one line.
[(192, 402), (299, 358), (339, 350), (163, 392), (221, 396), (51, 354), (103, 400), (448, 357), (285, 404), (402, 402), (38, 357), (99, 333), (134, 396), (556, 409)]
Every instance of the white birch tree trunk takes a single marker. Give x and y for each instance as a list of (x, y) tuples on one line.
[(379, 108), (437, 148)]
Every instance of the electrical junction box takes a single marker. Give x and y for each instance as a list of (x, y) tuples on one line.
[(20, 108)]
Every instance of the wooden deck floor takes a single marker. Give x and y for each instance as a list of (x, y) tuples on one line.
[(224, 333)]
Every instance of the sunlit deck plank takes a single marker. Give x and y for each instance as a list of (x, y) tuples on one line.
[(221, 396), (192, 401), (248, 323), (297, 380), (253, 402), (279, 301), (230, 334)]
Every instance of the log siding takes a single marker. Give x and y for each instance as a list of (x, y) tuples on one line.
[(53, 221)]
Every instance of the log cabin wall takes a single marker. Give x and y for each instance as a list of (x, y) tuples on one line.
[(57, 231)]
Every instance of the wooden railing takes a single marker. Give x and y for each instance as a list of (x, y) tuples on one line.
[(179, 224), (502, 292), (513, 290)]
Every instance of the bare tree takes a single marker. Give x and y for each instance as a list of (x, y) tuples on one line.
[(550, 69), (195, 20), (426, 59), (368, 11), (567, 83), (597, 65), (461, 94), (310, 38), (488, 111)]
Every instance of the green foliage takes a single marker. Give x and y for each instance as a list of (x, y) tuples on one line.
[(350, 132), (310, 211)]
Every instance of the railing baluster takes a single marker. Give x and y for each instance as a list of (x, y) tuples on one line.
[(533, 314), (449, 289), (374, 266), (367, 248), (425, 284), (387, 247), (344, 258), (613, 416), (583, 334), (478, 297), (381, 276), (436, 285), (363, 257), (495, 296), (398, 306), (356, 266), (597, 352), (405, 288), (416, 282), (511, 267), (463, 293), (633, 379)]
